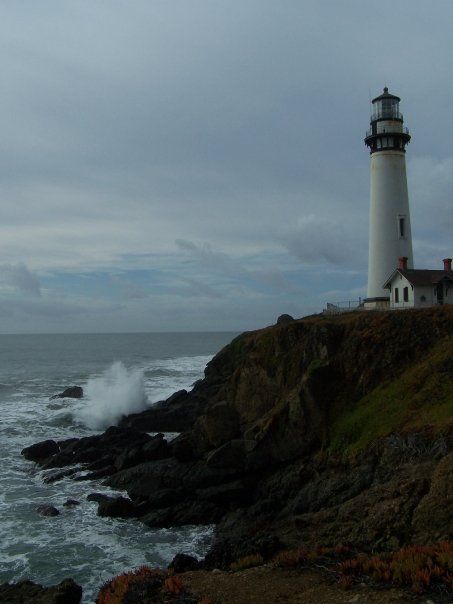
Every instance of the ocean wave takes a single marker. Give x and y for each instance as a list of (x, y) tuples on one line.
[(117, 392)]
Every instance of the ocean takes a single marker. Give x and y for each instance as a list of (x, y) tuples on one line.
[(120, 373)]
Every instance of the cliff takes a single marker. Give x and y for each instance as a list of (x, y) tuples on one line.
[(322, 430)]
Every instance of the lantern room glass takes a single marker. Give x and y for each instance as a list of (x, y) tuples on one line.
[(386, 108)]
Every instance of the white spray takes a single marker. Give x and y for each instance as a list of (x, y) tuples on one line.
[(117, 392)]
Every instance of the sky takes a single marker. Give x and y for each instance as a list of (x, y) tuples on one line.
[(176, 165)]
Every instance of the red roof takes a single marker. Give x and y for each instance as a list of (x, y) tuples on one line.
[(421, 276)]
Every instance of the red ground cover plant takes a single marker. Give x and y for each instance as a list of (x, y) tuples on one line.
[(420, 567)]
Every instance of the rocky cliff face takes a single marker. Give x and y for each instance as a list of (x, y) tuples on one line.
[(322, 430)]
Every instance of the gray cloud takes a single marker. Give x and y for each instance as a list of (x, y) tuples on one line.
[(223, 263), (317, 240), (20, 279)]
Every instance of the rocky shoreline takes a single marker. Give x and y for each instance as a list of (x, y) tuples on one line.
[(276, 444)]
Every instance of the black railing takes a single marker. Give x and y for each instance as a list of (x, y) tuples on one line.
[(404, 130)]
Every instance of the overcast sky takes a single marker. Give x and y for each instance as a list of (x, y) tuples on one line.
[(199, 164)]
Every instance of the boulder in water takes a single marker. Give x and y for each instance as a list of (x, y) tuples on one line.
[(70, 503), (71, 392), (114, 507), (41, 450), (48, 510)]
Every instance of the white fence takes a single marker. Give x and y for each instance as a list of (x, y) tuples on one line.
[(341, 307)]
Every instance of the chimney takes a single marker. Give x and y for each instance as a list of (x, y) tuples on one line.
[(402, 263), (447, 264)]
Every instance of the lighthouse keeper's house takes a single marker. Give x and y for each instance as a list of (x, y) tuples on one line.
[(418, 288)]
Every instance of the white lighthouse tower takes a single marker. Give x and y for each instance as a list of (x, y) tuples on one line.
[(390, 227)]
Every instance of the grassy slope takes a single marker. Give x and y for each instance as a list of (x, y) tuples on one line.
[(421, 397)]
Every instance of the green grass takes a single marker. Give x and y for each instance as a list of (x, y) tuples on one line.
[(422, 396)]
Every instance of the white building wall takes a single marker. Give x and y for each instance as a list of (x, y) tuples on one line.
[(399, 282), (424, 296), (419, 296), (388, 202)]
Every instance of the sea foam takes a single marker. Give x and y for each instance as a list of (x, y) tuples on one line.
[(117, 392)]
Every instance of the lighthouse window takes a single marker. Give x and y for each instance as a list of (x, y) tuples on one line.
[(390, 141), (401, 227)]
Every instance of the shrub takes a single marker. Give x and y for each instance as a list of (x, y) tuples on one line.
[(247, 562), (420, 567)]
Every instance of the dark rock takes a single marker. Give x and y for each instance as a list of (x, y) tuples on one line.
[(47, 510), (216, 426), (146, 479), (176, 414), (59, 475), (99, 450), (27, 592), (72, 392), (101, 462), (183, 448), (155, 448), (225, 494), (97, 497), (229, 455), (101, 473), (114, 507), (182, 563), (285, 319), (189, 512), (71, 503), (164, 498), (41, 450)]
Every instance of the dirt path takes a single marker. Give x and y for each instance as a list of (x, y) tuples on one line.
[(268, 585)]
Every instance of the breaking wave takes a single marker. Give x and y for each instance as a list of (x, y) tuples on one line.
[(117, 392)]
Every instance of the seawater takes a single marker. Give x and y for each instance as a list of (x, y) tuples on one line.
[(120, 373)]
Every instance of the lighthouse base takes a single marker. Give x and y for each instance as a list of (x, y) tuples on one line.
[(380, 303)]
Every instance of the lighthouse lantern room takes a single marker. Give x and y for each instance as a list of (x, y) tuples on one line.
[(390, 228)]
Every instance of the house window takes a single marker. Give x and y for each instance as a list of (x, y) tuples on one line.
[(406, 294), (397, 295), (422, 298), (401, 227)]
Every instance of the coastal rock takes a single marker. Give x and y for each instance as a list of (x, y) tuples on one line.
[(182, 563), (183, 447), (229, 455), (432, 517), (216, 426), (54, 476), (117, 507), (71, 392), (189, 512), (47, 510), (27, 592), (41, 450), (176, 414), (153, 449), (285, 319), (69, 503), (97, 452)]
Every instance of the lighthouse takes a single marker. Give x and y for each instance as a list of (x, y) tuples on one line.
[(390, 227)]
